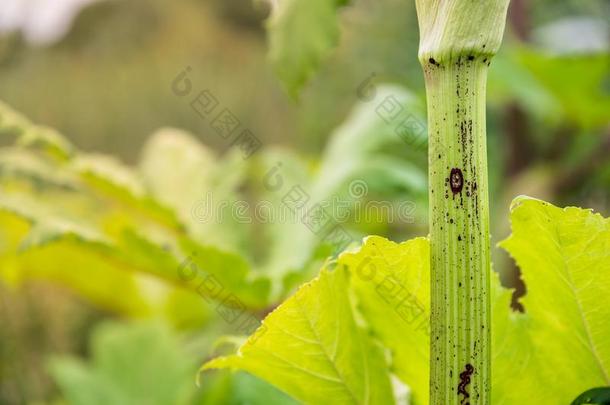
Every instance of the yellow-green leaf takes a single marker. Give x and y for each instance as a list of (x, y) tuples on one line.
[(392, 283), (312, 348), (561, 347)]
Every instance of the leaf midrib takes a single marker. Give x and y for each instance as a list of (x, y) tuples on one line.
[(328, 358), (585, 324)]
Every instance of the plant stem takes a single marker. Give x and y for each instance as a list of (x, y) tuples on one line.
[(460, 314), (457, 40)]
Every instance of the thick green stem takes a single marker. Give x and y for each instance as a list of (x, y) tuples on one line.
[(457, 40), (460, 317)]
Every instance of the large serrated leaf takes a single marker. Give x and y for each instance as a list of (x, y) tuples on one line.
[(312, 348), (564, 256)]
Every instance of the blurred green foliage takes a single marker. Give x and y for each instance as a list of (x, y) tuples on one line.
[(147, 363)]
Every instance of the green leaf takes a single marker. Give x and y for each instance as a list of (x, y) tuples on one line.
[(79, 264), (537, 81), (36, 137), (97, 209), (600, 396), (511, 349), (232, 274), (312, 348), (510, 80), (121, 189), (365, 149), (140, 363), (587, 74), (46, 225), (110, 169), (564, 256), (282, 170), (48, 141), (11, 121), (359, 147), (392, 283), (19, 163), (181, 173), (248, 389), (301, 34), (106, 264)]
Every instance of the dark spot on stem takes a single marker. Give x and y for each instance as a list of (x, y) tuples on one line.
[(456, 181), (470, 57), (464, 382), (434, 62)]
